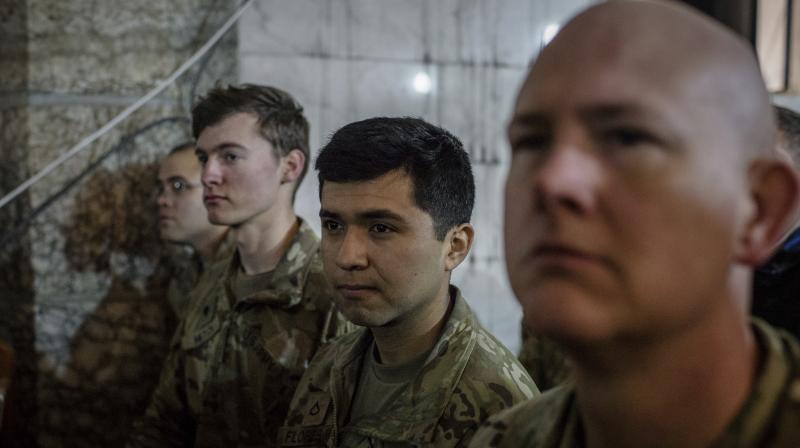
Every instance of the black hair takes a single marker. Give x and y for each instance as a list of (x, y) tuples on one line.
[(434, 158), (280, 117)]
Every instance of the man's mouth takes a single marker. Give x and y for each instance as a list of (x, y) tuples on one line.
[(354, 290), (213, 199), (563, 255)]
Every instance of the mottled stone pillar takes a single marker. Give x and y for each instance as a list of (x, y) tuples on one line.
[(16, 272), (81, 274)]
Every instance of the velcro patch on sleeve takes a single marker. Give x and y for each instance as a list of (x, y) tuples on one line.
[(312, 436)]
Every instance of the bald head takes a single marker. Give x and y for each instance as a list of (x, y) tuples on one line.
[(672, 48), (642, 137)]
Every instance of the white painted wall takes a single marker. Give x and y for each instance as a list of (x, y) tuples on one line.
[(346, 60)]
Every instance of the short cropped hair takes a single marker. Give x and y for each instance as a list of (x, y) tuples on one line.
[(789, 129), (280, 117), (434, 159)]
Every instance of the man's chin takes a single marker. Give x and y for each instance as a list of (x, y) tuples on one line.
[(220, 220), (176, 242), (170, 237), (362, 318)]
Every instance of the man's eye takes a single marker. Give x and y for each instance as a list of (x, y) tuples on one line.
[(178, 186), (330, 226), (380, 228), (531, 143), (626, 137), (230, 157), (202, 158)]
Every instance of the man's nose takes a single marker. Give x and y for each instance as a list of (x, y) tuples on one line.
[(161, 198), (212, 173), (352, 253), (568, 178)]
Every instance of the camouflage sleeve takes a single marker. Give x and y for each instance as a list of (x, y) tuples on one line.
[(489, 434), (166, 422), (466, 439)]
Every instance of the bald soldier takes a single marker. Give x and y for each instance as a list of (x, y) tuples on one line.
[(645, 189)]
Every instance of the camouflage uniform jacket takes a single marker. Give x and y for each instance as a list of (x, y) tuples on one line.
[(188, 271), (769, 418), (233, 367), (544, 361), (468, 376)]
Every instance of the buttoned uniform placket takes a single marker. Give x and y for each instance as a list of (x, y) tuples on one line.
[(212, 396), (343, 382)]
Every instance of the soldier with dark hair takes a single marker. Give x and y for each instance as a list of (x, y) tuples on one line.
[(643, 192), (256, 318), (397, 196)]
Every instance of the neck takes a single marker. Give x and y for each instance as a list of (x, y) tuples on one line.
[(639, 398), (415, 333), (208, 244), (261, 242)]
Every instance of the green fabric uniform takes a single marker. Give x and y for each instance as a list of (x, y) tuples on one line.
[(188, 271), (235, 361), (544, 361), (468, 376), (769, 418)]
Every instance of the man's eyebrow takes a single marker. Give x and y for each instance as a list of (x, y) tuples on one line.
[(613, 111), (528, 119), (327, 214), (527, 122), (365, 215), (608, 111), (380, 214), (174, 178), (219, 147)]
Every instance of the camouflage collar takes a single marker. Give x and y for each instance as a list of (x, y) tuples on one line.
[(774, 373), (416, 413), (225, 250), (748, 428), (284, 286)]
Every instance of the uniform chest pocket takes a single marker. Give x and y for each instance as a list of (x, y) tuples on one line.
[(200, 331), (275, 339)]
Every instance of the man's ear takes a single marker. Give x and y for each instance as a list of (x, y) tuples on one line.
[(292, 165), (458, 242), (775, 190)]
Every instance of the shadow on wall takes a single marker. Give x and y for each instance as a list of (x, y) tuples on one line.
[(17, 281), (116, 353), (17, 330)]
